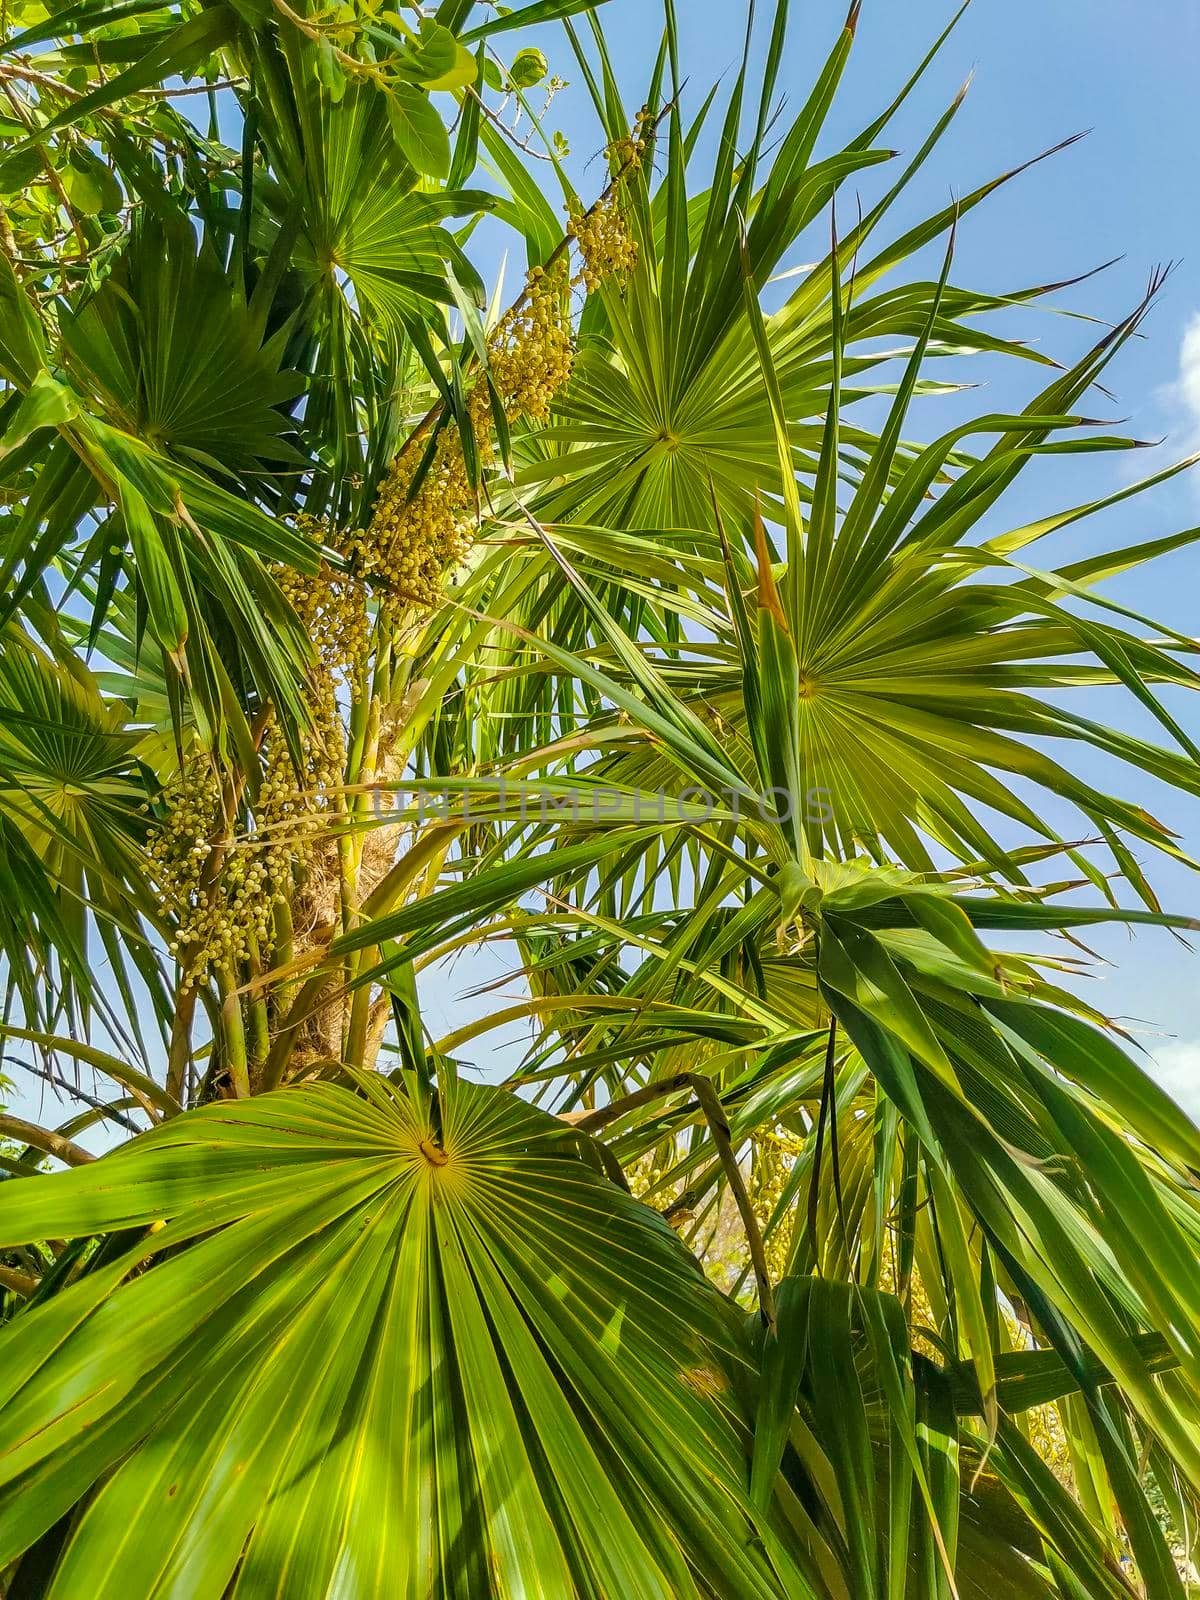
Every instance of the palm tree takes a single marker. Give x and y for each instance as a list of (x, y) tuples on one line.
[(355, 615)]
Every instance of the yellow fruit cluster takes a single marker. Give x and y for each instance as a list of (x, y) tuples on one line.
[(219, 883), (607, 248), (293, 804), (626, 155), (332, 605), (291, 807), (291, 823), (416, 537), (532, 350), (219, 893)]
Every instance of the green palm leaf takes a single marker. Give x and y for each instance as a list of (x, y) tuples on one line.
[(470, 1322), (730, 731)]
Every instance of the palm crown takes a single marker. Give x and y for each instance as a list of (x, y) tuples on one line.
[(352, 616)]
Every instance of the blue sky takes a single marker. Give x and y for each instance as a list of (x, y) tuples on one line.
[(1043, 69)]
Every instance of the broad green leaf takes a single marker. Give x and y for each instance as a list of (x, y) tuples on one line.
[(419, 130), (470, 1321)]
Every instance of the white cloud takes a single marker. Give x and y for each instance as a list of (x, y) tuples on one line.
[(1181, 399), (1188, 387), (1177, 1065), (1173, 415)]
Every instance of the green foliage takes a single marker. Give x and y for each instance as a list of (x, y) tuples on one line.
[(721, 710)]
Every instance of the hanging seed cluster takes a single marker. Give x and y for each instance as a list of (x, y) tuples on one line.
[(332, 608), (416, 536), (607, 249), (330, 604), (294, 804), (219, 892), (532, 349), (627, 155), (221, 883)]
